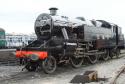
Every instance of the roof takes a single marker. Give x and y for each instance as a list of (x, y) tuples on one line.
[(105, 23), (1, 29)]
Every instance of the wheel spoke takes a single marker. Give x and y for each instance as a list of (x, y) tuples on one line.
[(31, 66), (76, 62), (49, 64), (117, 52), (93, 59), (106, 55)]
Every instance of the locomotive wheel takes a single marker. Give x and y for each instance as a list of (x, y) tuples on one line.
[(93, 59), (31, 67), (49, 65), (76, 62), (105, 56), (117, 52), (112, 53)]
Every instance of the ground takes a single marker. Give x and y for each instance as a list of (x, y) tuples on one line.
[(63, 75)]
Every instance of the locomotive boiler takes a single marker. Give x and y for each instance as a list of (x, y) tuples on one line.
[(61, 40)]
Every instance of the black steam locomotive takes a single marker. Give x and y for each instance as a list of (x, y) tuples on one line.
[(63, 40)]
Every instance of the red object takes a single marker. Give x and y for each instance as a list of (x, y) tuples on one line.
[(41, 54)]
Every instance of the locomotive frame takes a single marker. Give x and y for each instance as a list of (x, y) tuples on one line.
[(61, 40)]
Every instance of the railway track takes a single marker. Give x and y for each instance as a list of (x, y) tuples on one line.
[(10, 60), (117, 75), (21, 75), (7, 58), (6, 50), (9, 63)]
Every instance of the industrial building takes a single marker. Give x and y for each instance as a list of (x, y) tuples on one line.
[(17, 40)]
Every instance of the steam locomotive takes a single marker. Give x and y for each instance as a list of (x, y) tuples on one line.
[(64, 40)]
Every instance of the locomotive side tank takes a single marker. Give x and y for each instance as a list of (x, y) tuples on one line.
[(61, 40)]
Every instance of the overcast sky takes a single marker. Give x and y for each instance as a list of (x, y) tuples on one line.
[(19, 15)]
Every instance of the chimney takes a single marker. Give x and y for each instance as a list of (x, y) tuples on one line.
[(53, 11)]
